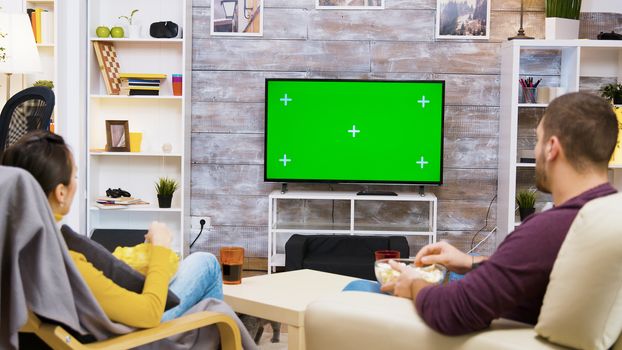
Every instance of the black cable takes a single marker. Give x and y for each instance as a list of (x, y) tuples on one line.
[(485, 222), (202, 222)]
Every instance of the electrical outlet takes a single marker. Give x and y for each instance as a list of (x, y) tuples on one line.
[(195, 224)]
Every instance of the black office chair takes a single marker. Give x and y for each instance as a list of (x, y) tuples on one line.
[(29, 109)]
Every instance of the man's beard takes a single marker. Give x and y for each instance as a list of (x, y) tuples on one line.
[(541, 177)]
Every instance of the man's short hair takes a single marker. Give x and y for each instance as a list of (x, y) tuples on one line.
[(586, 127)]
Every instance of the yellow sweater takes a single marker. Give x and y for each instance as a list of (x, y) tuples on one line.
[(121, 305)]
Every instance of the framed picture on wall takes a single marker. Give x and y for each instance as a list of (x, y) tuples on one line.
[(237, 17), (117, 136), (463, 19), (349, 4)]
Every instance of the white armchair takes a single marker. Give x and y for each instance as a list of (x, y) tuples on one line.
[(582, 307)]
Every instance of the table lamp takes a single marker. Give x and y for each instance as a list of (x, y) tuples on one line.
[(20, 54), (521, 31)]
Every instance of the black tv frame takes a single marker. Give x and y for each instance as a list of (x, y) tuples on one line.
[(361, 181)]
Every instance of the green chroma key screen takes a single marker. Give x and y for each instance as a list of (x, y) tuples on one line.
[(354, 131)]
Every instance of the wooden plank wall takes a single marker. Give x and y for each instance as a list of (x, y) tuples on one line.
[(301, 42)]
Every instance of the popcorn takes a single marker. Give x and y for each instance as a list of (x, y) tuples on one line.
[(386, 274)]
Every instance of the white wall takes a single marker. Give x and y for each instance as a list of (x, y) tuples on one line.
[(71, 17)]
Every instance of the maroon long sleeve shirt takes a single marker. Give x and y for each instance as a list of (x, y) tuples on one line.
[(511, 284)]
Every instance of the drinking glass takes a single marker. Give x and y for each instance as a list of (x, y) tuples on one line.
[(231, 260), (387, 254)]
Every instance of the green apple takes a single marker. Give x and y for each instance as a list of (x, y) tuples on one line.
[(102, 32), (117, 32)]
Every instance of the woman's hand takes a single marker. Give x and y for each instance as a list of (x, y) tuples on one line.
[(158, 234)]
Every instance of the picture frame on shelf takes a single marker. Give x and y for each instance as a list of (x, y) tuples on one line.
[(117, 136), (237, 17), (463, 19), (349, 4)]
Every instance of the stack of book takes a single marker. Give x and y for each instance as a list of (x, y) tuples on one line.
[(118, 203), (133, 84), (42, 22)]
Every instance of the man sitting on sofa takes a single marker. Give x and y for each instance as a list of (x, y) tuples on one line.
[(575, 140)]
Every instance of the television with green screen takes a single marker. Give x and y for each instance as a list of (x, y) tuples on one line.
[(354, 131)]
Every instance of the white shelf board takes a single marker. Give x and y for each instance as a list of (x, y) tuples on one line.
[(46, 45), (139, 208), (533, 165), (290, 227), (304, 231), (556, 44), (405, 231), (139, 97), (533, 105), (40, 1), (351, 195), (142, 40), (133, 154)]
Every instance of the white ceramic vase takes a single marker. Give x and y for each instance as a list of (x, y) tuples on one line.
[(561, 28), (134, 30)]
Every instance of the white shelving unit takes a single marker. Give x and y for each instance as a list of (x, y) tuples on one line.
[(579, 59), (47, 52), (162, 119), (276, 228)]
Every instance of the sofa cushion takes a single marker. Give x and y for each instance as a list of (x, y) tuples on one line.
[(349, 255), (361, 320), (582, 307)]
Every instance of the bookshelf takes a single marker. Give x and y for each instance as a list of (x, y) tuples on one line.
[(47, 46), (577, 65), (163, 119)]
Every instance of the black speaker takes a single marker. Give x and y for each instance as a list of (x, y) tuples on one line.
[(166, 29)]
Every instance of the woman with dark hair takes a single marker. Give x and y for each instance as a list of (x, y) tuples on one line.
[(49, 160)]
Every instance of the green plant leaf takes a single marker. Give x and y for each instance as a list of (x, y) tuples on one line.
[(526, 198), (570, 9), (166, 186)]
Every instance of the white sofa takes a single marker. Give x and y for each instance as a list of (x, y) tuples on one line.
[(582, 307)]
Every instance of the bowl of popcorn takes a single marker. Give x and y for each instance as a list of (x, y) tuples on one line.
[(434, 273)]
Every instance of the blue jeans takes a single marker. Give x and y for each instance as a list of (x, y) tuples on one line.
[(197, 278), (363, 286)]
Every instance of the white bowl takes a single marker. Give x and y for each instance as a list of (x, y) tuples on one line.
[(385, 274)]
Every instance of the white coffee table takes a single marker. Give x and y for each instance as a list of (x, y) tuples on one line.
[(283, 297)]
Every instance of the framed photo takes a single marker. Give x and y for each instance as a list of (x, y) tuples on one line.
[(117, 136), (463, 19), (349, 4), (237, 17)]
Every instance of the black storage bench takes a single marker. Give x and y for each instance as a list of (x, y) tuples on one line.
[(341, 254)]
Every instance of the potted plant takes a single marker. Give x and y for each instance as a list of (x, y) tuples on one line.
[(46, 83), (133, 28), (526, 200), (612, 92), (165, 187), (562, 19)]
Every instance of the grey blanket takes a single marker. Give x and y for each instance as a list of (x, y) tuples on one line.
[(38, 274)]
